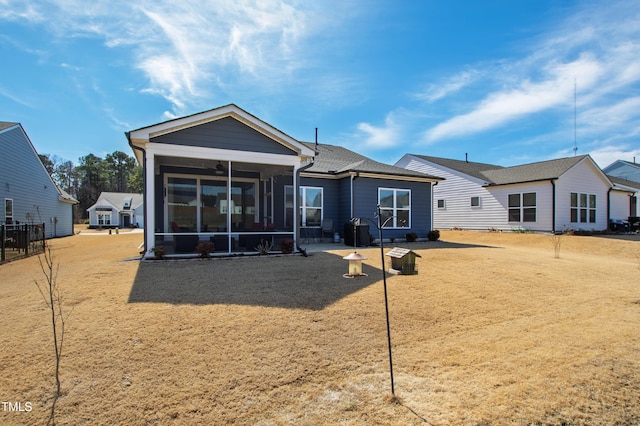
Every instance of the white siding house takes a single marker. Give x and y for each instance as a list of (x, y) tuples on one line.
[(568, 193), (27, 192), (117, 209)]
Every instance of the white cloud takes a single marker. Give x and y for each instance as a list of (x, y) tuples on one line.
[(379, 137), (504, 106), (452, 85)]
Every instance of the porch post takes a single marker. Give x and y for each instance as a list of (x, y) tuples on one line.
[(150, 202)]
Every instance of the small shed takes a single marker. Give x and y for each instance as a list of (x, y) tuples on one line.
[(403, 261)]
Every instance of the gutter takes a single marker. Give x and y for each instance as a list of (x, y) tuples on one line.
[(297, 186), (144, 189)]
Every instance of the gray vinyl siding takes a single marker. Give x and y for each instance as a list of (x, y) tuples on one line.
[(366, 202), (624, 170), (25, 180), (226, 133)]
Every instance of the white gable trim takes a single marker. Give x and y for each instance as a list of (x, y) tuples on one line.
[(142, 136)]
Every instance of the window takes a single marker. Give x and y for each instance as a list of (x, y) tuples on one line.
[(288, 206), (441, 204), (583, 207), (8, 211), (395, 204), (522, 207), (475, 201), (311, 206), (104, 218)]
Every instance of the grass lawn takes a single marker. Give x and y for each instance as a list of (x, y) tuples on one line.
[(493, 330)]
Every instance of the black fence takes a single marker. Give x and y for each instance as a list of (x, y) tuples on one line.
[(18, 241)]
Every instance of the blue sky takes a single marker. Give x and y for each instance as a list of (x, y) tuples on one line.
[(508, 82)]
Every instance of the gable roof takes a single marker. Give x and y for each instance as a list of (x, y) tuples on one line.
[(7, 124), (498, 175), (623, 183), (467, 167), (339, 161), (117, 200), (532, 172), (141, 136)]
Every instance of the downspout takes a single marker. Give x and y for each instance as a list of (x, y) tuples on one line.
[(432, 204), (553, 206), (144, 189), (297, 186), (608, 208)]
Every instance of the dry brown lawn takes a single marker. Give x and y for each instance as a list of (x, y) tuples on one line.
[(493, 330)]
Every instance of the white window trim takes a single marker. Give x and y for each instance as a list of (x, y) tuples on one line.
[(10, 216), (396, 209), (303, 207), (444, 204), (479, 202), (522, 207)]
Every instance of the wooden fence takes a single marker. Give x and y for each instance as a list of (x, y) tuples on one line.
[(18, 241)]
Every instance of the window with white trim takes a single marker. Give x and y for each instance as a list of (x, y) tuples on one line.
[(441, 204), (8, 211), (475, 201), (395, 204), (104, 219), (583, 208), (311, 203), (522, 207)]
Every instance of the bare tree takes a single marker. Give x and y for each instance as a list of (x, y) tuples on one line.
[(50, 293)]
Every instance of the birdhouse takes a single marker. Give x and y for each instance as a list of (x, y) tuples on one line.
[(403, 261), (355, 265)]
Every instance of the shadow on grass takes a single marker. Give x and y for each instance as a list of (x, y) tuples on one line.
[(293, 282)]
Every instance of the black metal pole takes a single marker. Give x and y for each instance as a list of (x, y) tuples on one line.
[(386, 302)]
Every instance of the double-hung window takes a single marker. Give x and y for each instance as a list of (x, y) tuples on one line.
[(311, 206), (522, 207), (395, 207)]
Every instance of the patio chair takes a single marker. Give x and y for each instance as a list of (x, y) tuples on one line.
[(327, 227)]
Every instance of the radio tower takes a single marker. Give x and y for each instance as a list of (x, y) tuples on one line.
[(575, 118)]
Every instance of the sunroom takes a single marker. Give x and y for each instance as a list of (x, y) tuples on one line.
[(218, 176)]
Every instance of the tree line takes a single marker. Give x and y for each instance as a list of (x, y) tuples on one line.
[(116, 172)]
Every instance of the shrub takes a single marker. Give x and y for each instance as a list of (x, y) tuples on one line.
[(286, 246), (158, 252), (433, 235), (264, 247), (411, 237), (204, 248)]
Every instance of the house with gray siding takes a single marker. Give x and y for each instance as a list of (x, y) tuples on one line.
[(228, 177), (27, 192), (117, 210), (548, 196), (624, 169)]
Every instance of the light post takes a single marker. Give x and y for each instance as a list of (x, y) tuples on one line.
[(356, 257), (386, 300)]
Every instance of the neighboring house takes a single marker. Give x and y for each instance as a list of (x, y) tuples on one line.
[(117, 210), (624, 199), (567, 193), (27, 192), (624, 169), (226, 176)]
